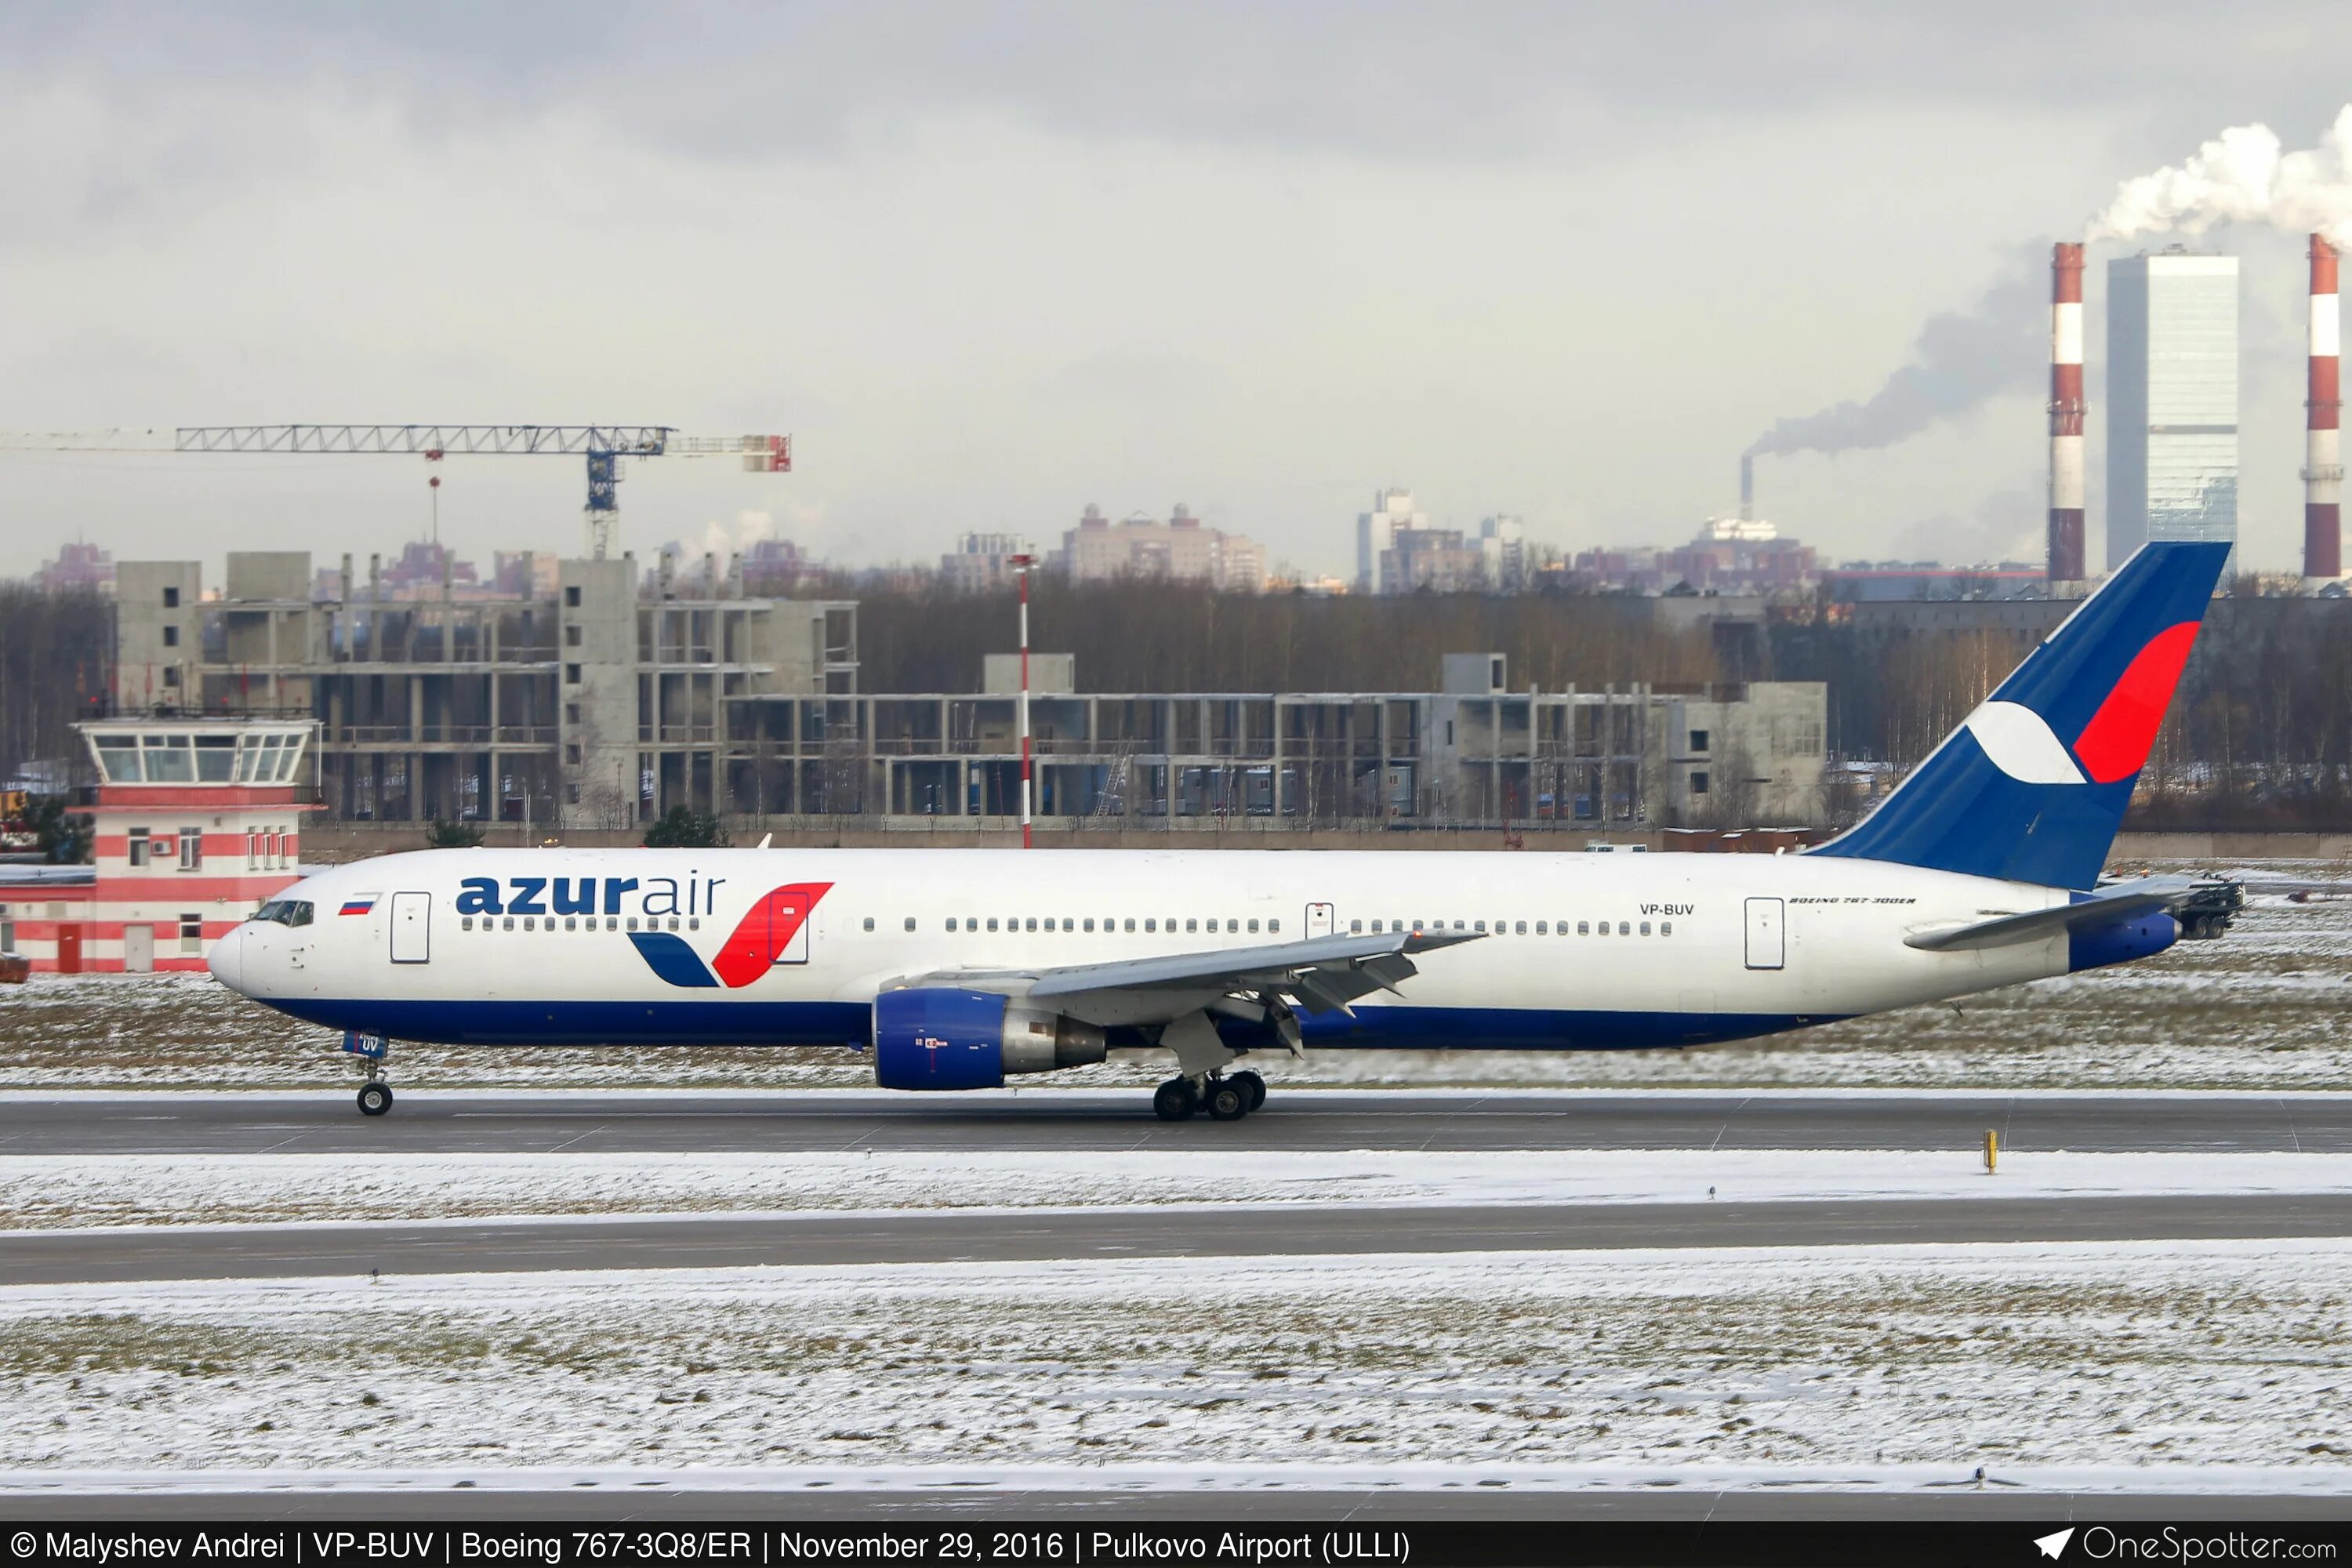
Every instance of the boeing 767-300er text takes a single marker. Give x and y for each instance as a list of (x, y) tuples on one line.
[(958, 968)]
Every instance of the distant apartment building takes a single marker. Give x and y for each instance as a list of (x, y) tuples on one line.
[(1503, 547), (1398, 551), (1376, 533), (79, 567), (423, 569), (2172, 400), (982, 563), (1730, 555), (1180, 549), (1431, 560)]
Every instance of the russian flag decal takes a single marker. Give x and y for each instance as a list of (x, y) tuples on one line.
[(359, 903)]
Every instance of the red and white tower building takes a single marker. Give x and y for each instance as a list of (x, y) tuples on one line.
[(198, 822), (2322, 458), (2065, 415)]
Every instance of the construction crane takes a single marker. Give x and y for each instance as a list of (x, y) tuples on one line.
[(604, 445)]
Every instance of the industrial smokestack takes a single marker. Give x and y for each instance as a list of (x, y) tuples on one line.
[(2323, 458), (2066, 413), (1746, 487)]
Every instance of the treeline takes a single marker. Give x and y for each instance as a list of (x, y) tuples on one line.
[(55, 651), (1141, 636)]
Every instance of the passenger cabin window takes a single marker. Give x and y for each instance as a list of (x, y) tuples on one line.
[(1131, 923), (1624, 928), (1645, 928), (1665, 927), (910, 922), (869, 922)]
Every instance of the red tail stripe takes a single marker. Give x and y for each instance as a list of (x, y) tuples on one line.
[(766, 931), (2114, 744)]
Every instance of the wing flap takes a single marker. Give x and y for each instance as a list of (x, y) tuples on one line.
[(1385, 958)]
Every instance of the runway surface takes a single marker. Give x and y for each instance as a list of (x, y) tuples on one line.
[(1961, 1500), (265, 1251), (592, 1122)]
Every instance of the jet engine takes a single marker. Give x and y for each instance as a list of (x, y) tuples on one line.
[(938, 1036)]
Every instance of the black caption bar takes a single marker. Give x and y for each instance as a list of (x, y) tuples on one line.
[(1260, 1545)]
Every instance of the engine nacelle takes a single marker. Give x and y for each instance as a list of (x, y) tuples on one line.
[(938, 1036), (2140, 936)]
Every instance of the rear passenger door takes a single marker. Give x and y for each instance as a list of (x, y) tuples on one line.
[(1767, 933)]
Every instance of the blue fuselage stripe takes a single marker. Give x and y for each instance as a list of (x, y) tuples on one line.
[(738, 1022)]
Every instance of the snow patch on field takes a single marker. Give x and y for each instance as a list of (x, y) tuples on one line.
[(53, 1192), (2163, 1360)]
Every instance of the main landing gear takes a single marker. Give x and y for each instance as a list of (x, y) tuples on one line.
[(1225, 1097)]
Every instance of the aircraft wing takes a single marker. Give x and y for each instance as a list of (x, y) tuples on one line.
[(2117, 900), (1324, 973)]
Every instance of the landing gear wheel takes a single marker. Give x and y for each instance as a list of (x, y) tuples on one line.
[(1252, 1084), (375, 1098), (1228, 1100), (1174, 1101)]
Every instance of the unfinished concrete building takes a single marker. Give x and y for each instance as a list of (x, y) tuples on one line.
[(598, 705)]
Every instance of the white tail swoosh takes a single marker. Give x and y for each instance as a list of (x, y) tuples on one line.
[(2020, 744)]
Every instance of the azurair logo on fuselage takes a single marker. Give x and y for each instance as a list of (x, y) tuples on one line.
[(763, 938)]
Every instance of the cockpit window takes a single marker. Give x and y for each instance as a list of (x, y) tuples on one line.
[(285, 913)]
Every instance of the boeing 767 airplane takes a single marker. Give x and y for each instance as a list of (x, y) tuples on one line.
[(957, 969)]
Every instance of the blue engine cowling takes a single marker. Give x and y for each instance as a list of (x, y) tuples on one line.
[(2142, 936), (943, 1038)]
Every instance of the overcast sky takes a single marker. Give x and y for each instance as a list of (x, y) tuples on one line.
[(989, 264)]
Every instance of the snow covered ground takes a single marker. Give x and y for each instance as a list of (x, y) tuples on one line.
[(2151, 1362), (2261, 1009), (52, 1192)]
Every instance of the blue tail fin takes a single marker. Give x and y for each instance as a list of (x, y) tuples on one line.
[(2032, 786)]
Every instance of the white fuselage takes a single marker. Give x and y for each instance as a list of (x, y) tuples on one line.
[(1696, 947)]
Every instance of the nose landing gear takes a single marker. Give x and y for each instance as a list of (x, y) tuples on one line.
[(372, 1051)]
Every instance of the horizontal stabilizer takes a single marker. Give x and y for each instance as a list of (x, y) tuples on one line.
[(2117, 902)]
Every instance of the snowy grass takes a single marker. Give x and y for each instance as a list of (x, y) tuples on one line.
[(57, 1192), (2163, 1360), (2260, 1009)]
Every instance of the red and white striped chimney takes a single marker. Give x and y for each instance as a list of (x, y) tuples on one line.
[(2323, 459), (2066, 413)]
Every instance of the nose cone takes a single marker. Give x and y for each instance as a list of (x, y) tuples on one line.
[(227, 960)]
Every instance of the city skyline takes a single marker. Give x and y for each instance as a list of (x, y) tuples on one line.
[(755, 243)]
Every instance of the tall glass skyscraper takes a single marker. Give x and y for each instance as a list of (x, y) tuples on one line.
[(2172, 400)]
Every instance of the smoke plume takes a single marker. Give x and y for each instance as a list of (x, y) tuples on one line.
[(1960, 360), (2242, 176)]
